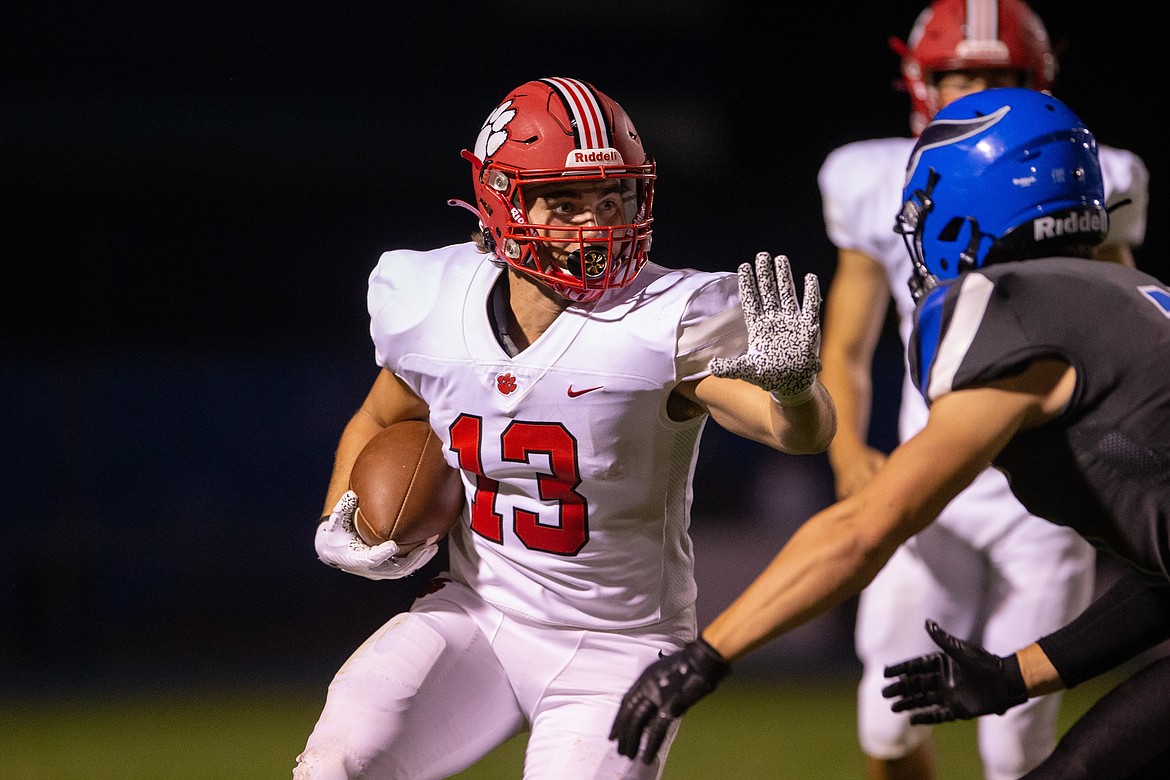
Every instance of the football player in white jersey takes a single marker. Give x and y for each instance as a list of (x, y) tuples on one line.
[(995, 572), (569, 379)]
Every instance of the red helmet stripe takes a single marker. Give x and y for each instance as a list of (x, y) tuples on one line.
[(584, 110), (982, 20)]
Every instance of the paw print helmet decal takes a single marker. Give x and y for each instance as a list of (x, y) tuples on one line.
[(562, 130)]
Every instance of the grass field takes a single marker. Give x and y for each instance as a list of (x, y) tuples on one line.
[(746, 730)]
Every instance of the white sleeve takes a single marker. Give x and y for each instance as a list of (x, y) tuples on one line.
[(404, 289), (861, 192), (385, 289), (835, 201), (712, 326), (1125, 177)]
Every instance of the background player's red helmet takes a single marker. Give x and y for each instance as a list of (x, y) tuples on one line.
[(961, 34), (561, 129)]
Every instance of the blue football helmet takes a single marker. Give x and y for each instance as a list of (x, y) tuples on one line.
[(998, 175)]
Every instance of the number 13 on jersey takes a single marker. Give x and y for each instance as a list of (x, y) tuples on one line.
[(563, 534)]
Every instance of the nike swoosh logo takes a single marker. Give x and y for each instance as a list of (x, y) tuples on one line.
[(574, 393)]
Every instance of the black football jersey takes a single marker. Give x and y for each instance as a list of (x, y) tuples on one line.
[(1103, 466)]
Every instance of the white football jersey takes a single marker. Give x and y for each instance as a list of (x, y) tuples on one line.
[(861, 193), (578, 484)]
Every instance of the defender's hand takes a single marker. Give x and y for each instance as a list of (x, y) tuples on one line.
[(339, 546), (784, 339), (963, 681), (665, 690)]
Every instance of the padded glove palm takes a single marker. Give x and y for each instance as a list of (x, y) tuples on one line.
[(665, 690), (784, 339), (962, 682)]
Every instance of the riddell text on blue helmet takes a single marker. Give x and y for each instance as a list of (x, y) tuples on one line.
[(1087, 221)]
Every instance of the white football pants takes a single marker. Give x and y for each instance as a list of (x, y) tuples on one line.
[(437, 688), (1028, 582)]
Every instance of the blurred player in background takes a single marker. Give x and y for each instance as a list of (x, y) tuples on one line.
[(986, 568), (1036, 359), (569, 379)]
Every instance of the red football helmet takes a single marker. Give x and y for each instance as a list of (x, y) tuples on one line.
[(962, 34), (562, 130)]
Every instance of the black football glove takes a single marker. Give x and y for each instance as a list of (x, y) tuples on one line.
[(665, 690), (962, 682)]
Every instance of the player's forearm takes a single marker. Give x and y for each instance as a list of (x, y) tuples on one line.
[(824, 562), (359, 430), (807, 428), (852, 397), (1130, 617), (852, 394), (855, 311)]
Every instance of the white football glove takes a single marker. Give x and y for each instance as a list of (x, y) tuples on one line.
[(784, 339), (339, 546)]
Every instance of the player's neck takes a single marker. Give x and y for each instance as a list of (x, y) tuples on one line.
[(530, 309)]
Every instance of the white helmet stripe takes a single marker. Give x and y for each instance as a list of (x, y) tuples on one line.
[(982, 20), (585, 112)]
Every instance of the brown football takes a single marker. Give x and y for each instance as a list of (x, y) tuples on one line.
[(405, 490)]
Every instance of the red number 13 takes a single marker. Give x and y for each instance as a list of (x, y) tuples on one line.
[(565, 534)]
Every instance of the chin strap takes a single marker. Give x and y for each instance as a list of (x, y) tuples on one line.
[(465, 205), (476, 166), (489, 243)]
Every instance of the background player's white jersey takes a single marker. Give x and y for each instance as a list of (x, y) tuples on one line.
[(861, 190), (577, 482)]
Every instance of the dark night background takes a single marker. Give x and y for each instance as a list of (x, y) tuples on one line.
[(193, 197)]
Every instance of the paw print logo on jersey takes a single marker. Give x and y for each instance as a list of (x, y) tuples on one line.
[(494, 131), (506, 383)]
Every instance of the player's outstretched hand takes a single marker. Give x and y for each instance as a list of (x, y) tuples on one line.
[(666, 689), (962, 682), (784, 338), (339, 546)]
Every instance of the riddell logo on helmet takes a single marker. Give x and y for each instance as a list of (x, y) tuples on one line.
[(583, 157), (1088, 221)]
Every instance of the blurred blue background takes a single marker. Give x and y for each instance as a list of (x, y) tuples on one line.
[(193, 197)]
